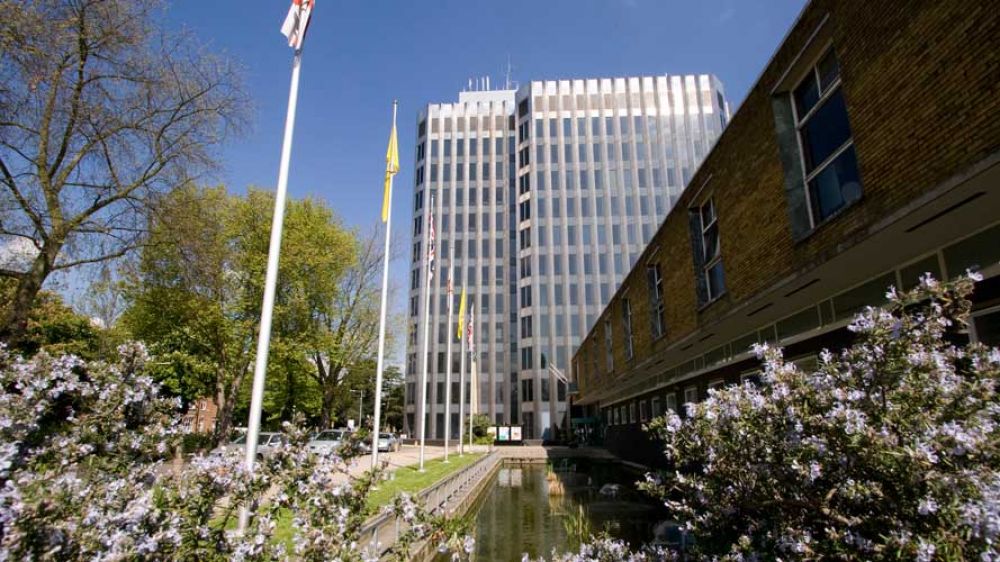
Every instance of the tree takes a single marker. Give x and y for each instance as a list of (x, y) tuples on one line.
[(100, 111), (185, 300), (198, 291), (318, 264), (53, 326), (889, 450), (393, 408), (346, 329)]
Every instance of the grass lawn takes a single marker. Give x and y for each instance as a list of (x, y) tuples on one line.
[(410, 480), (407, 479)]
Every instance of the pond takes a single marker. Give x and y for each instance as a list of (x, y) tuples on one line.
[(536, 508)]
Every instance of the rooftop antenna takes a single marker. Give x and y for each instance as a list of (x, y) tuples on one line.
[(509, 84)]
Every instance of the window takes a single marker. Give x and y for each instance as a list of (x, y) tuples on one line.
[(527, 390), (657, 411), (671, 401), (691, 395), (826, 147), (631, 412), (609, 346), (986, 326), (643, 411), (656, 306), (627, 324), (712, 277)]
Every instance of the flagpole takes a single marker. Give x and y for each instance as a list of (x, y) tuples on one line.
[(473, 375), (270, 281), (447, 376), (427, 329), (461, 396), (382, 313)]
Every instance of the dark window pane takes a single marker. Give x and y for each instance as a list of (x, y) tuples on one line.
[(836, 186), (988, 328), (707, 213), (711, 241), (828, 69), (716, 281), (806, 95), (826, 131)]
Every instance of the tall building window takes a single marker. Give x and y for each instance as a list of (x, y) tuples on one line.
[(656, 305), (827, 148), (708, 254), (627, 325), (609, 346)]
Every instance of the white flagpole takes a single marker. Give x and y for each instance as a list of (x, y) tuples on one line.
[(473, 375), (427, 329), (461, 399), (382, 313), (447, 376), (270, 281)]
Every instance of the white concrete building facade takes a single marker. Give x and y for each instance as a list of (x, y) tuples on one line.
[(543, 197)]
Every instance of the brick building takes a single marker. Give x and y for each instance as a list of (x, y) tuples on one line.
[(867, 153)]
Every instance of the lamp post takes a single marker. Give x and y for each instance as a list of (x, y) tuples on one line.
[(361, 404)]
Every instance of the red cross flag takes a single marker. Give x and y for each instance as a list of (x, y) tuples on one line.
[(296, 22)]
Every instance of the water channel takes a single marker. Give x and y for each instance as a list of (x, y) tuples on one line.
[(535, 508)]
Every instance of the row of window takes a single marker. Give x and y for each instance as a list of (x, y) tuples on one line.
[(689, 95), (645, 409), (528, 390), (471, 123), (635, 126), (460, 172), (484, 146), (567, 177)]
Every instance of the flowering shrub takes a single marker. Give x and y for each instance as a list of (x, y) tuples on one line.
[(889, 450), (82, 477)]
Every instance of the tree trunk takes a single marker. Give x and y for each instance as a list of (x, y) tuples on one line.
[(223, 418), (326, 412), (226, 400), (15, 318), (288, 410)]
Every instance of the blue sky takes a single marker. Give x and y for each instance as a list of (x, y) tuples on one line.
[(361, 55)]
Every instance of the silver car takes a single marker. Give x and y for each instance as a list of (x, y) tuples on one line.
[(328, 440), (266, 443), (387, 442)]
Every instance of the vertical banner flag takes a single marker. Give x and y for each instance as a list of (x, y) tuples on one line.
[(474, 371), (391, 168), (461, 315), (296, 22)]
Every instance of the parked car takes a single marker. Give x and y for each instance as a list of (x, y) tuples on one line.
[(328, 440), (266, 443), (388, 442)]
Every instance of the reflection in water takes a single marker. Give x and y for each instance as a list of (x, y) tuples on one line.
[(519, 514)]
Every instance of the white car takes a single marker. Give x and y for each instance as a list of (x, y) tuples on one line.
[(266, 443)]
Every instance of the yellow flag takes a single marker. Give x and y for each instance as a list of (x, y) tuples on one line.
[(391, 167), (461, 315)]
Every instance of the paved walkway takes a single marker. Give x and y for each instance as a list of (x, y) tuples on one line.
[(407, 455)]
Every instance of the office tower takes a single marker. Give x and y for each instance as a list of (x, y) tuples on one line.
[(543, 197)]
